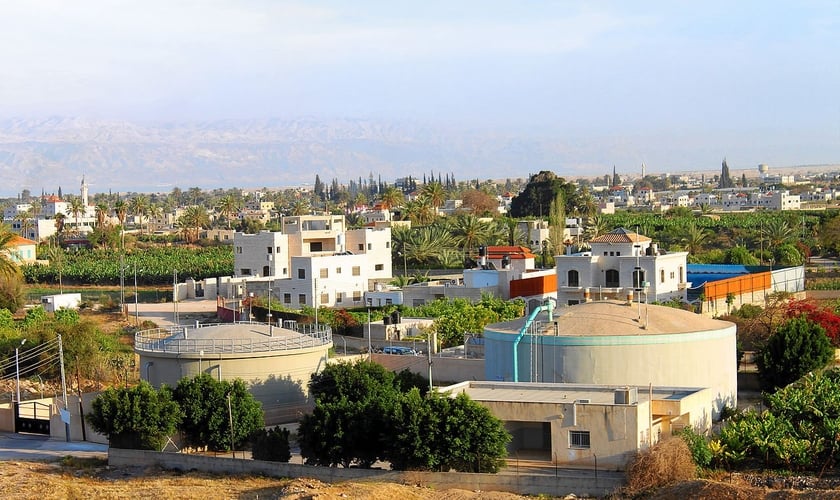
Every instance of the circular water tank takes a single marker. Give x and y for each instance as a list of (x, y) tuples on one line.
[(763, 168)]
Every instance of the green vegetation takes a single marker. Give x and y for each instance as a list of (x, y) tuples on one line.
[(271, 445), (154, 265), (207, 405), (200, 408), (797, 347), (136, 417), (363, 414)]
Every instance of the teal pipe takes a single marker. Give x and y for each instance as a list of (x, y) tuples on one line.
[(548, 306)]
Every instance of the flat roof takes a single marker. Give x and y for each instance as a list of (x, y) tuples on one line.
[(612, 317), (535, 392)]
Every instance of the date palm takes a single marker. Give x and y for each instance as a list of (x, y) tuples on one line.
[(778, 232), (102, 211), (26, 223), (139, 206), (75, 207), (435, 193), (192, 221), (392, 197), (8, 268), (469, 231), (227, 206), (695, 238)]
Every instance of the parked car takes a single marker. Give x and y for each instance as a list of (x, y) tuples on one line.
[(399, 350)]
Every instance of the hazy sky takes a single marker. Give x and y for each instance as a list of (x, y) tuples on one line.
[(656, 73)]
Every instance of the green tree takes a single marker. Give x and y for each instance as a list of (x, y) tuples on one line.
[(207, 405), (797, 347), (192, 221), (135, 417), (227, 206), (542, 188), (351, 420), (271, 445), (740, 255)]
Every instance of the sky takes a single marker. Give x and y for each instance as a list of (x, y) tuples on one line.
[(659, 75)]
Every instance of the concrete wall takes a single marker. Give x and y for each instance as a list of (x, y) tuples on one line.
[(562, 483), (443, 369)]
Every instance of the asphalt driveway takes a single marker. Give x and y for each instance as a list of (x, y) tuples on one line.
[(35, 447)]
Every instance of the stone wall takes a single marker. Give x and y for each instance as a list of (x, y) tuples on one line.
[(559, 483)]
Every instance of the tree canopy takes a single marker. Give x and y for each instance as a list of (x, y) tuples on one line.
[(797, 347)]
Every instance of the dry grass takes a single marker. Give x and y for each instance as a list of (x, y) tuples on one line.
[(92, 479), (665, 463)]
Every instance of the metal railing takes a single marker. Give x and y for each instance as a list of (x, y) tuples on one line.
[(176, 340)]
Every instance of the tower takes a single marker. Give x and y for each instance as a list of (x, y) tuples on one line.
[(84, 191), (725, 178)]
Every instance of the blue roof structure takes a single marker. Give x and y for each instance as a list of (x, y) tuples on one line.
[(700, 274)]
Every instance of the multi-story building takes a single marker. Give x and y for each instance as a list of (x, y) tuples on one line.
[(621, 264), (316, 260)]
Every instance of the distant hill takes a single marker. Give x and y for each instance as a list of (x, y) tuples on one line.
[(128, 156)]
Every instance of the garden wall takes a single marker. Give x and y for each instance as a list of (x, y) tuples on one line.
[(562, 483)]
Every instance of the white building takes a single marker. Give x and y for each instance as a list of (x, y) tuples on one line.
[(316, 261), (621, 264)]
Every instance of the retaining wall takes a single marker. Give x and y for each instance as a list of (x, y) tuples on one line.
[(580, 483)]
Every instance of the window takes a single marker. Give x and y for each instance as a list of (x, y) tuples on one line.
[(302, 298), (325, 298), (357, 271), (662, 276), (277, 250), (238, 249), (285, 271), (579, 439), (672, 274), (339, 297), (681, 275), (361, 247), (605, 254), (379, 267), (266, 271), (357, 296), (245, 271), (287, 298), (574, 278), (370, 246), (638, 278), (337, 270), (618, 254), (316, 246), (268, 250), (301, 274), (387, 244), (612, 278), (388, 302), (325, 273)]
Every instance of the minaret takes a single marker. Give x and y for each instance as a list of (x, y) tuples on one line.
[(84, 191), (644, 167)]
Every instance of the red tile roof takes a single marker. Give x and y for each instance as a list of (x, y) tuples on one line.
[(620, 235), (19, 241)]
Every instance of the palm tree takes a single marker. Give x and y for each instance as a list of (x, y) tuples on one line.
[(426, 245), (102, 211), (75, 207), (468, 230), (121, 210), (300, 207), (8, 268), (392, 197), (139, 206), (694, 239), (420, 211), (595, 226), (227, 206), (192, 221), (435, 193), (56, 256), (59, 223), (25, 220), (155, 212), (777, 232)]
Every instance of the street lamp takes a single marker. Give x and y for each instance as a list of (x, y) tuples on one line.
[(270, 279), (17, 368), (405, 266)]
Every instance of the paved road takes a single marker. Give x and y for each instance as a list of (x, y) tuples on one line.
[(34, 447)]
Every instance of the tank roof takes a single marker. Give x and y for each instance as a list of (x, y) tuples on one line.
[(611, 317)]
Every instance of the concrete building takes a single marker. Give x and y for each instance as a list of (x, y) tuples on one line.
[(21, 250), (587, 425), (621, 264), (317, 263), (276, 363)]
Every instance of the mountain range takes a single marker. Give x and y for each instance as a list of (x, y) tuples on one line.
[(122, 156)]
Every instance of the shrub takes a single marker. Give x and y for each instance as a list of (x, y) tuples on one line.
[(797, 347), (665, 463), (698, 445), (271, 445), (138, 417)]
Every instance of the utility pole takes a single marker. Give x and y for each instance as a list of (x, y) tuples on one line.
[(65, 415)]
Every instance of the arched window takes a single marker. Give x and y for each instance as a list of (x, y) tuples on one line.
[(612, 278), (574, 278)]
